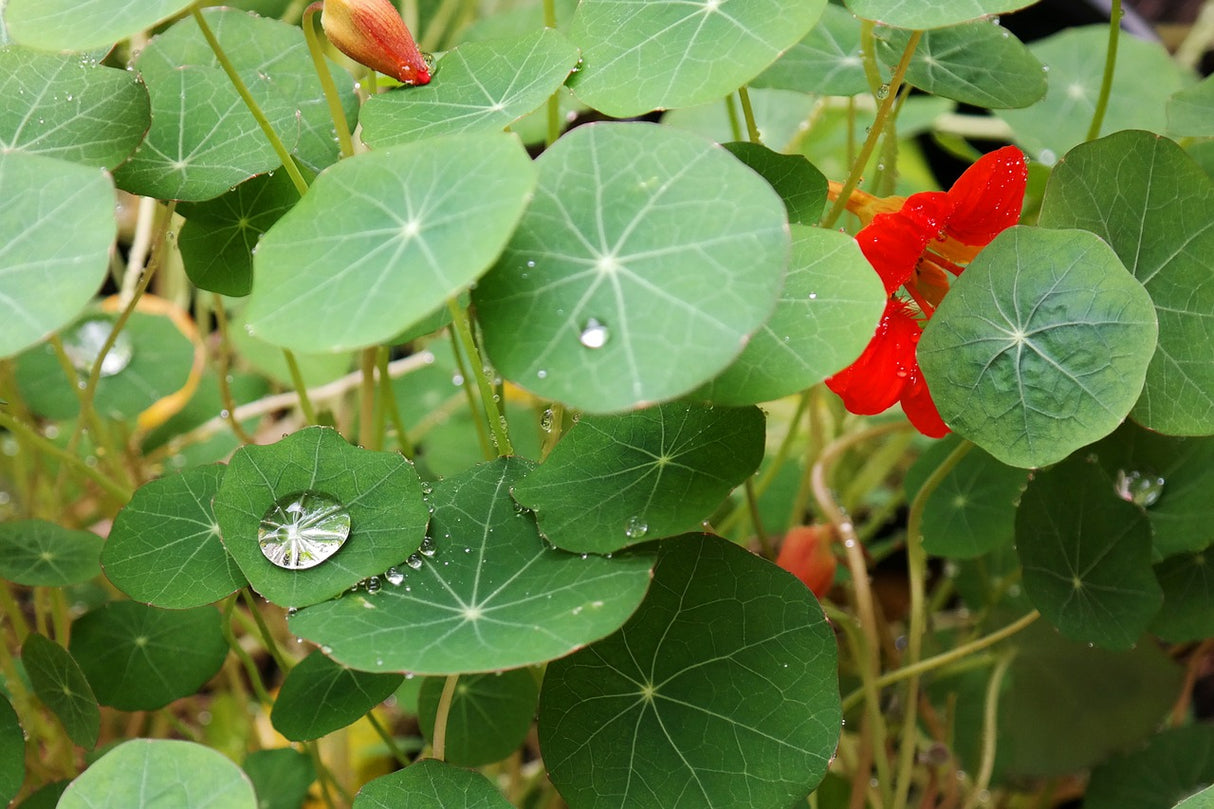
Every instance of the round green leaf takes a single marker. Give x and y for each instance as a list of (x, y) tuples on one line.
[(485, 594), (1041, 347), (281, 777), (320, 696), (644, 56), (979, 63), (160, 774), (1155, 206), (643, 264), (47, 279), (62, 687), (1171, 767), (1187, 581), (63, 106), (138, 657), (12, 752), (164, 546), (914, 14), (720, 691), (39, 553), (489, 718), (385, 238), (1086, 555), (1189, 110), (1143, 78), (77, 25), (826, 61), (430, 784), (379, 490), (826, 314), (158, 362), (973, 510), (220, 235), (614, 481), (1198, 800), (477, 87)]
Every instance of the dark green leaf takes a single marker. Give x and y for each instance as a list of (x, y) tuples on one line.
[(138, 657), (721, 691), (615, 481), (1171, 767), (164, 546), (385, 238), (978, 63), (40, 553), (1041, 347), (1086, 555), (826, 314), (281, 777), (643, 56), (62, 687), (47, 797), (379, 490), (1143, 195), (320, 696), (795, 179), (12, 752), (646, 259), (1187, 581), (430, 784), (489, 718), (66, 106), (477, 87), (487, 593), (915, 14), (160, 774), (49, 279), (219, 236)]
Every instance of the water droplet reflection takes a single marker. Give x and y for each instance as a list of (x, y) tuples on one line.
[(594, 334), (303, 529), (1139, 488), (635, 528), (84, 343)]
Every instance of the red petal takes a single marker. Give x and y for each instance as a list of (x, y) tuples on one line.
[(988, 197), (895, 242), (372, 33), (920, 409), (805, 553), (872, 383)]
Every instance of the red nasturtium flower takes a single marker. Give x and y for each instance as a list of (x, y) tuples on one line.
[(915, 243), (372, 33), (806, 553)]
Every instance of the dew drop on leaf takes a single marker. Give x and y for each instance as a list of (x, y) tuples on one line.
[(428, 548), (394, 577), (414, 561), (1139, 488), (85, 341), (594, 334), (303, 529), (547, 419), (635, 528)]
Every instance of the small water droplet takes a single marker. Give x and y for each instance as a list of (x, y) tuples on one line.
[(1139, 488), (547, 419), (883, 92), (635, 528), (541, 374), (594, 334), (428, 548), (414, 561), (394, 577), (303, 529), (86, 340), (374, 585)]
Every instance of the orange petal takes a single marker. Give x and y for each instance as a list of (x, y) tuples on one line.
[(806, 553), (372, 33)]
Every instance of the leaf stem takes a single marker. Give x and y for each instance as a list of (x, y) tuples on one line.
[(1110, 63), (45, 445), (250, 667), (367, 435), (439, 742), (332, 97), (390, 742), (301, 388), (748, 113), (752, 505), (990, 730), (267, 638), (280, 149), (497, 422), (388, 405), (225, 388), (874, 132)]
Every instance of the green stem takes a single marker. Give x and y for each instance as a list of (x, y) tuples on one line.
[(478, 415), (748, 113), (388, 405), (497, 422), (916, 560), (301, 388), (250, 667), (23, 432), (554, 100), (225, 388), (874, 132), (731, 111), (390, 742), (367, 435), (439, 742), (336, 111), (752, 505), (990, 731), (323, 776), (301, 185), (1110, 62), (267, 637)]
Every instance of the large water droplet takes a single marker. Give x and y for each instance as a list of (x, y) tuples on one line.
[(394, 577), (303, 529), (594, 334), (546, 420), (1139, 488), (374, 585), (414, 561), (635, 528), (428, 548), (85, 342)]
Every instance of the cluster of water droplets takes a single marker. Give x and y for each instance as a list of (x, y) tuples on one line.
[(303, 529)]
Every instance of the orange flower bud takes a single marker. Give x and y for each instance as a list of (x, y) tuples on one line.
[(372, 33), (805, 553)]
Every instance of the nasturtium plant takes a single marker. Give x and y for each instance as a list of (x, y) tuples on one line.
[(605, 404)]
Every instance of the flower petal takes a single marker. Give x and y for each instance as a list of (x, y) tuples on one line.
[(895, 242), (988, 197), (372, 33), (872, 383), (920, 409), (806, 553)]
